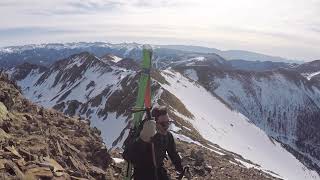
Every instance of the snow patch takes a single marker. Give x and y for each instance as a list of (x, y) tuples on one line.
[(309, 76), (110, 128), (192, 74), (118, 160), (185, 138), (212, 119), (174, 128), (116, 58), (199, 58)]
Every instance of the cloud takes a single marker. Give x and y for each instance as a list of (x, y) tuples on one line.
[(75, 7), (316, 30), (33, 31), (264, 26), (95, 6), (159, 3)]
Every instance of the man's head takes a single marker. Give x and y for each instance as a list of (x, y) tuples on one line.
[(160, 115)]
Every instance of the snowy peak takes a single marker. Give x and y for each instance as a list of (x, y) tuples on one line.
[(309, 69), (81, 59), (126, 63), (109, 57), (80, 62), (211, 60)]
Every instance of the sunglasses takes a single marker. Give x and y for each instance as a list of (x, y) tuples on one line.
[(165, 123)]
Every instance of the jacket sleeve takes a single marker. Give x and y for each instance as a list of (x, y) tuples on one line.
[(173, 154)]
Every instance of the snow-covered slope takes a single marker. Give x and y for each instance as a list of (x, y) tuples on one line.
[(91, 87), (233, 131), (282, 103), (81, 85)]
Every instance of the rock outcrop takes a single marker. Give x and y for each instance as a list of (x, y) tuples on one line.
[(38, 143)]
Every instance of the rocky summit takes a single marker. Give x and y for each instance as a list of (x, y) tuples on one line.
[(38, 143)]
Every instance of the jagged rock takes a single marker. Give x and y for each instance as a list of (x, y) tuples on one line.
[(77, 164), (77, 178), (54, 165), (213, 166), (39, 173), (3, 135), (13, 151), (59, 148), (3, 111), (208, 168), (71, 147), (102, 158), (6, 100), (27, 155), (13, 169), (20, 162), (36, 143), (2, 163), (199, 171), (198, 156)]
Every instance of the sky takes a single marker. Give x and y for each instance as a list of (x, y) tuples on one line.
[(287, 28)]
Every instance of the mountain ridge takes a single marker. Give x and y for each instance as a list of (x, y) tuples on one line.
[(46, 54), (108, 96)]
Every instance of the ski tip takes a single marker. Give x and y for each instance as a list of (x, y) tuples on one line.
[(147, 47)]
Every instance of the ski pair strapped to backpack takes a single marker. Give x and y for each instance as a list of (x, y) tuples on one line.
[(143, 102)]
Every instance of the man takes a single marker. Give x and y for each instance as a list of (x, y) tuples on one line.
[(148, 152)]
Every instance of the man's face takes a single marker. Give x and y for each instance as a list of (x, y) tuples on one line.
[(163, 122)]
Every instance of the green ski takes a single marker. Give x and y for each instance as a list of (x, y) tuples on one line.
[(143, 102)]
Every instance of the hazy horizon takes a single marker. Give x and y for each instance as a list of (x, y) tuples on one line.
[(156, 45), (286, 29)]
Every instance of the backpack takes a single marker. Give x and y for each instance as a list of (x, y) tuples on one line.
[(132, 137)]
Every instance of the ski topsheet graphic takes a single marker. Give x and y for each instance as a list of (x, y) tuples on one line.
[(143, 102)]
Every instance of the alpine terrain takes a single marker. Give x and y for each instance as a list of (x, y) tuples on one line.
[(259, 122)]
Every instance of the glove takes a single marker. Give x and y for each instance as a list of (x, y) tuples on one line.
[(148, 130)]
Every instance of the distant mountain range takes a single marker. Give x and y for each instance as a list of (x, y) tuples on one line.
[(232, 54), (46, 54)]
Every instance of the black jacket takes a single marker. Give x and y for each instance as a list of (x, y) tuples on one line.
[(140, 154)]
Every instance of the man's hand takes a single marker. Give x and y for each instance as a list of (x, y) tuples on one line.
[(148, 130)]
